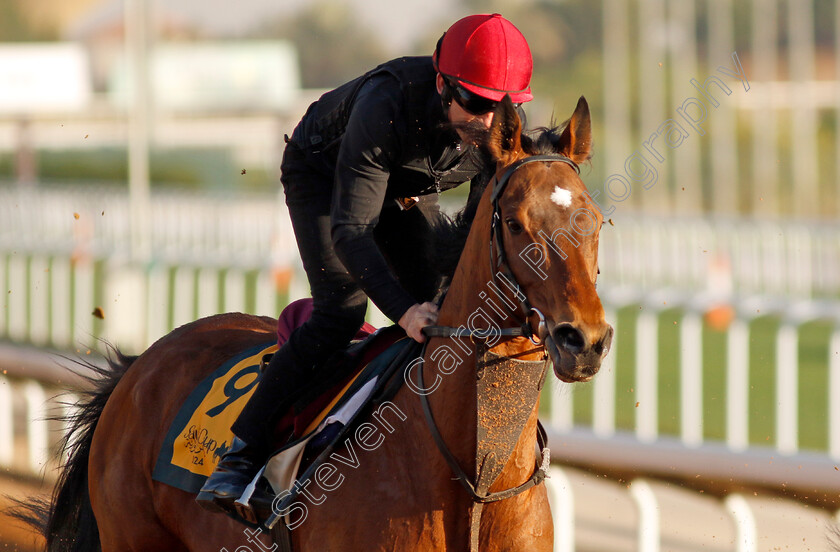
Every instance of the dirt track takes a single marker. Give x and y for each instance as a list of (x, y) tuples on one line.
[(14, 536)]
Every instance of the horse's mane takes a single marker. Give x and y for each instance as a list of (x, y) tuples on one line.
[(543, 140), (450, 235)]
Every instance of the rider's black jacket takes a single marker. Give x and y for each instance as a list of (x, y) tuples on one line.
[(379, 137)]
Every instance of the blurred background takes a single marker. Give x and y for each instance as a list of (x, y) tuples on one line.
[(140, 144)]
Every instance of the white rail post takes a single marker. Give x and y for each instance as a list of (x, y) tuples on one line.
[(724, 148), (36, 418), (648, 508), (266, 294), (157, 305), (616, 78), (562, 406), (562, 500), (687, 188), (298, 285), (184, 296), (208, 292), (834, 394), (7, 412), (39, 305), (603, 400), (138, 38), (691, 379), (764, 48), (737, 385), (16, 295), (4, 293), (804, 116), (787, 389), (651, 85), (837, 111), (647, 375), (746, 538), (234, 291), (83, 301), (61, 333)]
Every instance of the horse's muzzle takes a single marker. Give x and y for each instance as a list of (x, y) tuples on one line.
[(575, 358)]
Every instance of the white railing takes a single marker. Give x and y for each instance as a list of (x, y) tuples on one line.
[(34, 391), (662, 518), (744, 257), (792, 316), (52, 301), (722, 255), (93, 222)]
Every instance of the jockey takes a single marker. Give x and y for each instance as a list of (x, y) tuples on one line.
[(361, 174)]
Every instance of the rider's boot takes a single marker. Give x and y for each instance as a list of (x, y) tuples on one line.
[(236, 469)]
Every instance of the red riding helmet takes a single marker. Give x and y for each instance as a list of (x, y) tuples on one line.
[(488, 56)]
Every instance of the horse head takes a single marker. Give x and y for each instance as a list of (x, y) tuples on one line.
[(545, 230)]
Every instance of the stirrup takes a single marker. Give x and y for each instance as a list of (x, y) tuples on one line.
[(264, 362)]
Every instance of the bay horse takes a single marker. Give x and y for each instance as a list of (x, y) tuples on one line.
[(535, 227)]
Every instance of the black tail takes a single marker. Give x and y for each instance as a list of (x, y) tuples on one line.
[(67, 522)]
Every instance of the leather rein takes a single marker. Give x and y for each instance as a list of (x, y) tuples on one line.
[(500, 268)]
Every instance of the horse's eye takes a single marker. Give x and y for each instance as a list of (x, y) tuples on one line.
[(514, 226)]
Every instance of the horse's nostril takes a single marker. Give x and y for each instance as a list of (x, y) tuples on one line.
[(602, 346), (606, 341), (569, 338)]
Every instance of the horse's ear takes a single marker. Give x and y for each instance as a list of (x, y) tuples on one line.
[(505, 143), (576, 140)]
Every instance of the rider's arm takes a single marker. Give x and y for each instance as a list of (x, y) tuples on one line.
[(368, 149)]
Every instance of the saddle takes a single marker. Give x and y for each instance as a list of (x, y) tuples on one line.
[(324, 417), (339, 392), (331, 381)]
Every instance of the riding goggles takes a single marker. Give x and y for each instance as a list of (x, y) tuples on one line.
[(471, 102)]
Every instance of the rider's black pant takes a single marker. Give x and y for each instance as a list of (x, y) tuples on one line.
[(339, 304)]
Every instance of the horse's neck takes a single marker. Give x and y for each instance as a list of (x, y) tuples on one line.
[(454, 402)]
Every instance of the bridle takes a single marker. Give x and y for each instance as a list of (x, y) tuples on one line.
[(500, 269)]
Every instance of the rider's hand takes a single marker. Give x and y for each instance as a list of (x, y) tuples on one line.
[(416, 318)]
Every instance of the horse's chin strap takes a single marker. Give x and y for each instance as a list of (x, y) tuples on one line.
[(480, 498)]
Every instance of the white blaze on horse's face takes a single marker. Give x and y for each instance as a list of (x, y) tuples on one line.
[(561, 197)]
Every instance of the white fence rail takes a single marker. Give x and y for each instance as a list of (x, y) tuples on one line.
[(647, 516), (51, 302), (724, 255)]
